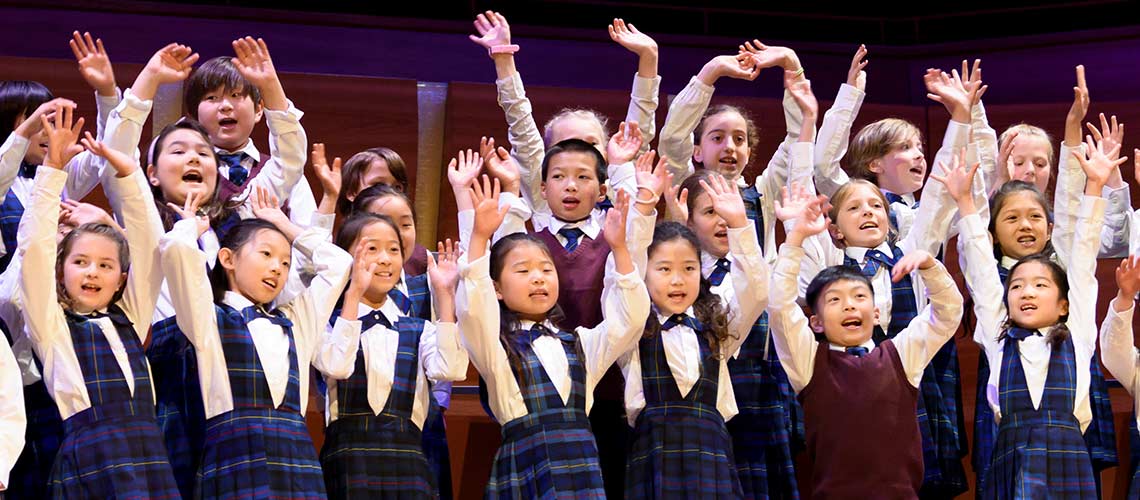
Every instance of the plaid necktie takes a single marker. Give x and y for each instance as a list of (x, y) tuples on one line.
[(873, 260), (27, 170), (572, 235), (1019, 334), (716, 277), (402, 301), (238, 173)]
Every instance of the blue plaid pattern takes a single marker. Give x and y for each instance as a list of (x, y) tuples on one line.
[(572, 235), (238, 172), (680, 444), (11, 211), (1134, 445), (375, 456), (1039, 452), (892, 199), (939, 411), (754, 210), (178, 400), (108, 449), (761, 432), (257, 450), (550, 452), (1101, 432), (419, 296), (42, 438), (716, 277)]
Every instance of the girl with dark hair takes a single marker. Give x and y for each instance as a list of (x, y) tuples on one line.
[(540, 378), (253, 351)]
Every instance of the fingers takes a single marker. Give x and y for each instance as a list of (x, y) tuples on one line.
[(1081, 83)]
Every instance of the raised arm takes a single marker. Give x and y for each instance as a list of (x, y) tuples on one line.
[(749, 271), (936, 323), (835, 131), (646, 83), (441, 353), (1116, 343)]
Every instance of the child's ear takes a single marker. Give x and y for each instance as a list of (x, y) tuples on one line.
[(876, 315), (602, 188), (258, 111), (698, 156), (498, 293), (152, 175), (836, 235), (876, 166), (544, 195), (1063, 307), (122, 280), (226, 259), (816, 323)]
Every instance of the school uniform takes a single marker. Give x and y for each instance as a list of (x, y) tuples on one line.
[(373, 445), (859, 407), (253, 364), (1120, 357), (529, 149), (679, 393), (93, 365), (12, 418), (543, 401), (1039, 450)]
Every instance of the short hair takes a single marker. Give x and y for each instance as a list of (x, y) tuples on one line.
[(583, 113), (217, 72), (1027, 130), (831, 275), (874, 141), (354, 169), (845, 192), (576, 146), (20, 97)]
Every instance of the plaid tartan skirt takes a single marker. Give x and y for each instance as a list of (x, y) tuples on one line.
[(436, 451), (1134, 445), (1100, 436), (985, 427), (376, 457), (29, 476), (760, 432), (178, 400), (259, 453), (549, 454), (1040, 456), (113, 451), (681, 450), (940, 391)]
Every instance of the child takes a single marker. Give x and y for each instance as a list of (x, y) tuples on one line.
[(228, 96), (859, 398), (541, 377), (373, 445), (1119, 354), (1043, 350), (11, 413), (254, 362), (678, 390), (88, 323)]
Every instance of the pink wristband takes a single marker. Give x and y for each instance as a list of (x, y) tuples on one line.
[(503, 49)]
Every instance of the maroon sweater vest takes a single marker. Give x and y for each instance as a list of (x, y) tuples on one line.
[(862, 434), (580, 277), (417, 262)]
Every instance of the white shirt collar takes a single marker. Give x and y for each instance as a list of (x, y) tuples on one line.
[(869, 344), (388, 309), (662, 318), (527, 324), (236, 300), (1008, 262), (859, 253), (708, 262), (907, 198), (249, 149), (590, 226)]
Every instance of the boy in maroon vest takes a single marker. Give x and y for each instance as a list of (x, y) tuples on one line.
[(859, 400), (229, 106)]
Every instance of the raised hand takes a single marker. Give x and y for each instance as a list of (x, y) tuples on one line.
[(740, 66), (189, 210), (973, 81), (650, 178), (726, 201), (123, 164), (499, 163), (959, 181), (1128, 279), (769, 56), (493, 31), (266, 206), (856, 77), (1078, 110), (633, 40), (800, 90), (941, 88), (255, 64), (1101, 160), (488, 215), (32, 125), (676, 202), (329, 175), (614, 226), (443, 271), (1113, 136), (625, 144), (172, 63), (462, 171), (805, 211), (94, 64), (63, 135), (75, 213), (916, 259)]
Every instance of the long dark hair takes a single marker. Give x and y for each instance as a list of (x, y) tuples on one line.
[(240, 234), (68, 244), (509, 323), (749, 127), (708, 308), (216, 209), (997, 202), (1059, 332)]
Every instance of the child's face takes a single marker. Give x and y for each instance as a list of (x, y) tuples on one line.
[(577, 127), (711, 229), (1029, 161), (259, 268), (186, 164), (845, 313), (229, 117), (673, 276), (92, 272), (1034, 299), (377, 173), (1022, 226), (37, 144), (398, 209), (528, 284), (902, 170), (571, 186), (862, 219), (723, 145), (379, 244)]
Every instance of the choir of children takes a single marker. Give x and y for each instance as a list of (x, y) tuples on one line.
[(170, 353)]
